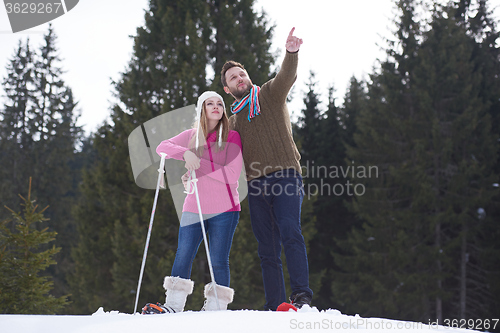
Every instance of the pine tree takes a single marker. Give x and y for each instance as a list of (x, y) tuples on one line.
[(15, 140), (23, 287), (320, 137), (55, 124), (462, 163), (354, 102), (480, 290), (309, 124), (306, 136), (250, 41), (39, 136), (168, 70), (371, 283), (319, 140), (334, 220)]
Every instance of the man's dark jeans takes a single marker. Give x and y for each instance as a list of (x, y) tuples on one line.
[(275, 202)]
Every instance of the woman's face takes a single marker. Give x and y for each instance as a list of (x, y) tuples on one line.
[(214, 109)]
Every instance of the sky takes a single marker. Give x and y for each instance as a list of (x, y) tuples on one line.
[(341, 39)]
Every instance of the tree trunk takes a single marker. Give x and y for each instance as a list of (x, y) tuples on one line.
[(463, 273), (439, 302)]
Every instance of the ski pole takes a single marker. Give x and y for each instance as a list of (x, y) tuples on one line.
[(195, 187), (161, 171)]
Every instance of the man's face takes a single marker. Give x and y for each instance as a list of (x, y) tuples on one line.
[(238, 82)]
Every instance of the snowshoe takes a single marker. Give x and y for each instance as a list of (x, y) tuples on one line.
[(300, 299), (157, 308), (285, 307)]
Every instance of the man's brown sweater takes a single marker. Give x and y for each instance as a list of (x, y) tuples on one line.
[(267, 140)]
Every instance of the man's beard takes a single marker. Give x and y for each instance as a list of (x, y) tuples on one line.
[(240, 94)]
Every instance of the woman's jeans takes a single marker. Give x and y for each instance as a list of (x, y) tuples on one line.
[(220, 230), (275, 203)]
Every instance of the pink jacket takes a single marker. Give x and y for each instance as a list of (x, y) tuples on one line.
[(218, 173)]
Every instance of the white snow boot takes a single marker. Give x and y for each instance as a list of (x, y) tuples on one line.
[(224, 294), (177, 290)]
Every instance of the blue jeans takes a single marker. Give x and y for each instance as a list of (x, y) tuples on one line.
[(220, 230), (275, 202)]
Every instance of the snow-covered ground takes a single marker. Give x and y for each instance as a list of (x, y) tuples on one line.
[(306, 320)]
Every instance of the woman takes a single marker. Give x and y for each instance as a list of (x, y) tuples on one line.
[(214, 153)]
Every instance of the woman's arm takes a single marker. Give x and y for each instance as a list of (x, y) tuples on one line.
[(176, 146)]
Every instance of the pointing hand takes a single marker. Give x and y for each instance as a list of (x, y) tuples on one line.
[(292, 42)]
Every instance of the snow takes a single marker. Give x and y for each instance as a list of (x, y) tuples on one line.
[(241, 321)]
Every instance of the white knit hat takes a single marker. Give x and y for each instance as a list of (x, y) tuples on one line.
[(203, 97)]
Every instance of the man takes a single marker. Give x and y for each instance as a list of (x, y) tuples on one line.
[(275, 189)]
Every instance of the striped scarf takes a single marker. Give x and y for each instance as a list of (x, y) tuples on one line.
[(252, 99)]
